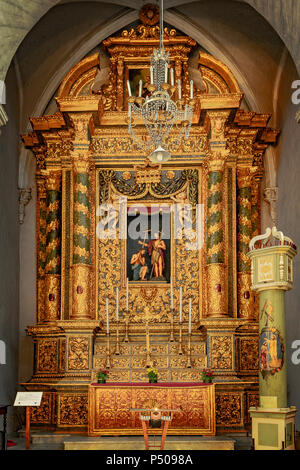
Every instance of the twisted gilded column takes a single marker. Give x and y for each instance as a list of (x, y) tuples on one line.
[(215, 240), (216, 207), (41, 243), (244, 234), (81, 267), (53, 246)]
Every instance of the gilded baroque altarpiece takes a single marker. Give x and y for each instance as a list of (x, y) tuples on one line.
[(85, 158)]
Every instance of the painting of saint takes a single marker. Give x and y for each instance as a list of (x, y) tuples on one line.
[(148, 244), (271, 351)]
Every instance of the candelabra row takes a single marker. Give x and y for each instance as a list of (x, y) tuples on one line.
[(126, 339)]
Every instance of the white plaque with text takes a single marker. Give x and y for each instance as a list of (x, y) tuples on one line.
[(28, 399)]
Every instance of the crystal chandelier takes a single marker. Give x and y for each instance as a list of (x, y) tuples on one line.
[(159, 111)]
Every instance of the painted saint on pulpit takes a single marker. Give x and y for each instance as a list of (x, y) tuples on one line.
[(271, 351)]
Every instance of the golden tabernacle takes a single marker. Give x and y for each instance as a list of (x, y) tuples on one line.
[(177, 295)]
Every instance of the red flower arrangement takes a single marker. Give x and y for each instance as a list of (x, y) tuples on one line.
[(207, 375), (102, 375)]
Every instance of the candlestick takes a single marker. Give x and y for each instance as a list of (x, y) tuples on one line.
[(151, 75), (179, 88), (190, 316), (172, 77), (117, 304), (180, 339), (180, 304), (148, 355), (117, 351), (172, 297), (107, 317), (191, 89), (126, 338), (166, 73), (189, 364), (129, 89), (107, 351), (127, 295), (172, 326)]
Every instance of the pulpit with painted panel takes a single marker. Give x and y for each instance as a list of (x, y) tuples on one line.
[(110, 404)]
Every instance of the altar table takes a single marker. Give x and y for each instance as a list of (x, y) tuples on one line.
[(110, 404)]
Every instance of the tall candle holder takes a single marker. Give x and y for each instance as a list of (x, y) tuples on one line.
[(172, 326), (117, 351), (107, 350), (180, 338), (189, 363), (148, 354), (126, 338)]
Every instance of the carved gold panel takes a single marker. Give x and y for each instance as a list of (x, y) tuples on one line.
[(229, 409), (185, 375), (221, 351), (72, 410), (121, 362), (44, 414), (79, 350), (141, 376), (160, 361), (200, 362), (248, 354), (119, 375), (47, 355)]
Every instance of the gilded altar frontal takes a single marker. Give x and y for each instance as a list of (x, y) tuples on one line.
[(120, 239)]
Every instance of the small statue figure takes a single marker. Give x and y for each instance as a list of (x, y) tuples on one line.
[(138, 265)]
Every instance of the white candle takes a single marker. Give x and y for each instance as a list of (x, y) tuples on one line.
[(117, 304), (179, 89), (107, 319), (129, 89), (172, 299), (191, 89), (151, 75), (140, 88), (180, 304), (190, 316), (127, 294), (172, 77)]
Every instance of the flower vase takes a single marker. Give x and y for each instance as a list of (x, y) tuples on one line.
[(153, 381), (101, 381), (207, 380)]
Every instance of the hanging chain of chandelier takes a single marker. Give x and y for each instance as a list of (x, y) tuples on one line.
[(159, 111)]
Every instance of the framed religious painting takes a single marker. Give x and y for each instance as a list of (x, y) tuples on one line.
[(148, 243)]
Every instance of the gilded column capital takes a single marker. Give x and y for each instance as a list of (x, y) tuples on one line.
[(53, 181), (215, 160), (81, 122), (245, 176), (217, 124)]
